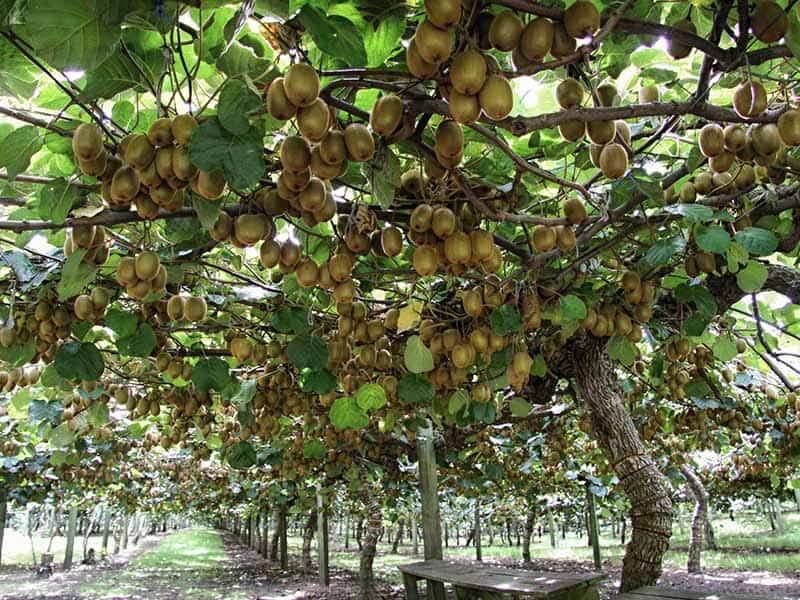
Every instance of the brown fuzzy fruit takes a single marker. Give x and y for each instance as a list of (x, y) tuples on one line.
[(124, 185), (433, 44), (418, 66), (573, 130), (443, 222), (391, 241), (386, 115), (194, 308), (147, 264), (563, 43), (182, 128), (496, 97), (749, 99), (735, 138), (301, 84), (443, 13), (426, 260), (677, 49), (581, 19), (295, 154), (766, 139), (711, 140), (333, 149), (160, 132), (574, 211), (307, 273), (536, 39), (449, 139), (87, 141), (789, 127), (769, 22), (278, 103), (569, 93), (359, 142), (464, 109), (613, 161), (468, 72), (505, 31), (544, 238), (601, 132), (249, 228), (648, 94), (313, 120), (139, 152)]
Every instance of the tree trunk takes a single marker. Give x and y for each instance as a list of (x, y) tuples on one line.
[(308, 536), (796, 498), (623, 530), (697, 534), (369, 544), (643, 483), (551, 525), (530, 521), (106, 530), (264, 549), (768, 509), (779, 515), (414, 532), (276, 536), (711, 538), (399, 536), (3, 512), (478, 554), (71, 526), (446, 535), (347, 532), (359, 533), (283, 541)]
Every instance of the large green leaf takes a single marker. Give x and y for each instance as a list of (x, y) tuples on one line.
[(346, 414), (753, 277), (75, 275), (713, 239), (505, 320), (622, 349), (290, 319), (56, 199), (141, 343), (241, 455), (236, 100), (370, 396), (308, 352), (212, 374), (757, 241), (334, 35), (17, 149), (381, 43), (239, 157), (135, 63), (415, 389), (76, 360), (417, 357), (572, 308), (318, 382)]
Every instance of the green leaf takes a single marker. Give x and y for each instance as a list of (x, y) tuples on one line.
[(753, 277), (736, 256), (334, 35), (724, 347), (76, 360), (519, 406), (139, 344), (792, 37), (695, 213), (137, 66), (384, 173), (17, 149), (662, 251), (236, 100), (370, 396), (240, 157), (308, 352), (318, 382), (61, 436), (207, 211), (417, 357), (696, 324), (241, 456), (505, 320), (415, 389), (291, 320), (713, 239), (121, 322), (459, 400), (245, 393), (56, 199), (381, 43), (17, 355), (211, 373), (346, 414), (621, 349), (757, 241), (97, 414), (42, 410), (75, 34), (539, 368), (572, 308), (314, 450), (75, 275)]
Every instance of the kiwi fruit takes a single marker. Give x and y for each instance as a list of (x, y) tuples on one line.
[(321, 169), (159, 282), (735, 138), (768, 22), (418, 66), (210, 185), (160, 132), (301, 84), (721, 162), (295, 182), (333, 149), (359, 142), (295, 154), (163, 195), (163, 162), (608, 94), (463, 108), (706, 262), (744, 177), (563, 43), (443, 13), (250, 228), (544, 238), (766, 139), (145, 207), (182, 166), (139, 152), (147, 264), (574, 211), (391, 241), (648, 94), (789, 127), (307, 273), (676, 49), (749, 99), (711, 140), (312, 198), (569, 93), (449, 138), (703, 183), (572, 130), (386, 115), (175, 307), (124, 185), (269, 254), (468, 72), (83, 307), (87, 142), (623, 132), (536, 39), (421, 218), (194, 308), (613, 161), (688, 193), (601, 132), (449, 162), (496, 97), (458, 248), (433, 44), (443, 222), (565, 238), (278, 103), (505, 31), (222, 228), (313, 120), (182, 128), (581, 19)]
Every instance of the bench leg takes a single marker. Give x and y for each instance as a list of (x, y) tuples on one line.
[(467, 594), (410, 583), (436, 590), (587, 593)]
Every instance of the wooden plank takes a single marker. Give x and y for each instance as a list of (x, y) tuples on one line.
[(410, 582), (497, 579), (666, 593), (428, 490)]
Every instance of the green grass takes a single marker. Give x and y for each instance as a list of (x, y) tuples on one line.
[(17, 547), (189, 549)]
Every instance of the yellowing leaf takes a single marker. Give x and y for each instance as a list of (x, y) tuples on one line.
[(410, 316)]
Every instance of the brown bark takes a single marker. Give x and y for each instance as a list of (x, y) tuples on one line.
[(530, 521), (643, 483), (369, 544), (308, 536), (697, 534), (273, 551), (399, 536)]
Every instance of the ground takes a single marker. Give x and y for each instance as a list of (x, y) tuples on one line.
[(201, 563)]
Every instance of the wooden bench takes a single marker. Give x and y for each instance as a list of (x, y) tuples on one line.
[(664, 593), (473, 581)]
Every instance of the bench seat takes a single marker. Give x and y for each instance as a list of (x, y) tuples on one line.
[(476, 580), (665, 593)]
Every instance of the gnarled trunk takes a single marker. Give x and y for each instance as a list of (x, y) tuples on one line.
[(643, 483), (369, 544), (397, 538), (308, 536), (698, 532), (530, 521)]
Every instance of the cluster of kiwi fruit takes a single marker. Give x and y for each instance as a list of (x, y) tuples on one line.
[(47, 321), (142, 274), (612, 318), (174, 366), (547, 237), (19, 377), (245, 230), (91, 238), (442, 240), (191, 308), (92, 306)]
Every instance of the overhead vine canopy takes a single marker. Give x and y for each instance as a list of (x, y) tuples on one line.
[(285, 235)]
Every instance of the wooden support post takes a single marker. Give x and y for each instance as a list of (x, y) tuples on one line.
[(431, 521), (322, 541), (106, 530), (594, 534), (414, 535), (264, 550), (72, 524), (551, 524), (477, 540), (284, 550), (125, 520)]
